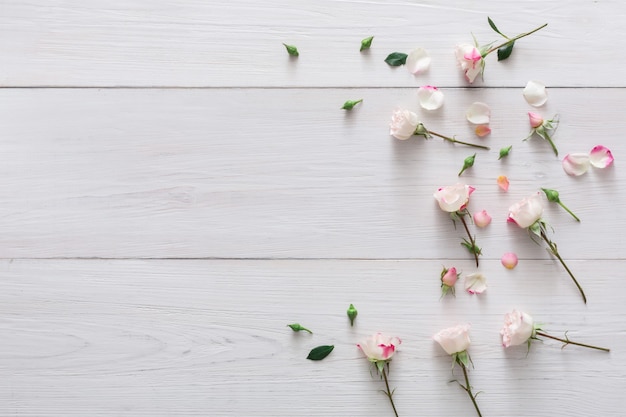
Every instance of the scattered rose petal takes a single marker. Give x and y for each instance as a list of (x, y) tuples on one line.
[(535, 119), (576, 164), (509, 260), (482, 218), (478, 113), (475, 283), (430, 98), (600, 157), (535, 94), (482, 130), (418, 61), (503, 182)]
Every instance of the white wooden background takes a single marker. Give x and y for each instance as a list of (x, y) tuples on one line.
[(175, 190)]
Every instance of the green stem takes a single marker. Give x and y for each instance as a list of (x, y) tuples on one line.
[(549, 139), (457, 141), (468, 388), (555, 252), (389, 393), (568, 210), (495, 48), (471, 239), (569, 342)]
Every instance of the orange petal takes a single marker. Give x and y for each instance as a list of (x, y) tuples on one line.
[(503, 182), (482, 130)]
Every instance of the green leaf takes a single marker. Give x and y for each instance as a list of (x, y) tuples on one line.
[(493, 26), (395, 59), (366, 43), (505, 51), (291, 50), (320, 352)]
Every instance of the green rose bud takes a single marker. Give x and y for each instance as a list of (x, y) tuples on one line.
[(553, 197), (467, 163), (352, 313), (292, 50), (297, 327), (349, 105), (366, 43), (505, 152)]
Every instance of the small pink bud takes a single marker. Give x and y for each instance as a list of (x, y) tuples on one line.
[(535, 119), (482, 218), (450, 277), (509, 260)]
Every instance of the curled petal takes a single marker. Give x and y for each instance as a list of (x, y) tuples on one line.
[(430, 98), (600, 157), (475, 283), (482, 130), (482, 218), (576, 164), (503, 182), (478, 113), (418, 61), (535, 94), (509, 260)]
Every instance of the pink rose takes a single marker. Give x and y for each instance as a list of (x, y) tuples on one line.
[(518, 328), (379, 347), (535, 119), (470, 60), (403, 124), (453, 198), (454, 339), (449, 277), (526, 212)]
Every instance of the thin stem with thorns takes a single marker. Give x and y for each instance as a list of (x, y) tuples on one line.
[(389, 393), (468, 388), (472, 243), (520, 36), (553, 250), (569, 342), (452, 140)]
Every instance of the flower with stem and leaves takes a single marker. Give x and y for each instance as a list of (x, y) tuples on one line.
[(520, 328), (543, 128), (527, 215), (454, 199), (553, 197), (455, 341), (449, 277), (379, 349), (404, 124), (472, 57)]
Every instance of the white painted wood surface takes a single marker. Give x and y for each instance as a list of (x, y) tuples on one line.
[(157, 238)]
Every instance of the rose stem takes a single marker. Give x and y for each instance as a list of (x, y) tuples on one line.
[(569, 342), (457, 141), (470, 238), (495, 48), (389, 393), (468, 388), (549, 139), (568, 210), (555, 252)]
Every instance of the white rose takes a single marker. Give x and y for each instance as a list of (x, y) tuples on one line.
[(403, 124), (453, 198), (454, 339), (470, 60), (518, 328), (379, 347), (526, 212)]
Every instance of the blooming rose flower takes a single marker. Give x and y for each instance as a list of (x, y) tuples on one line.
[(450, 277), (535, 119), (454, 339), (417, 61), (470, 60), (475, 283), (526, 212), (453, 198), (518, 328), (379, 347), (482, 218), (535, 94), (576, 164), (509, 260), (430, 98), (403, 124), (600, 156), (478, 113)]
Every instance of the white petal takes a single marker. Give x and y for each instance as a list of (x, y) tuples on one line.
[(576, 163), (478, 113), (418, 61), (535, 94), (431, 98), (475, 283), (601, 156)]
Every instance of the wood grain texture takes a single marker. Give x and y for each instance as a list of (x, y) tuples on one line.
[(239, 43), (157, 338), (287, 174)]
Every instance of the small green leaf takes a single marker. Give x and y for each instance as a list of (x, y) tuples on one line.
[(291, 50), (395, 59), (505, 51), (493, 26), (320, 352), (366, 43)]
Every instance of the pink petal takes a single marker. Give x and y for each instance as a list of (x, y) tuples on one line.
[(576, 164), (503, 182), (482, 130), (475, 283), (600, 156), (482, 218), (509, 260), (430, 98)]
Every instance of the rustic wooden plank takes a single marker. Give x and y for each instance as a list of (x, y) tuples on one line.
[(239, 43), (286, 173), (158, 337)]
